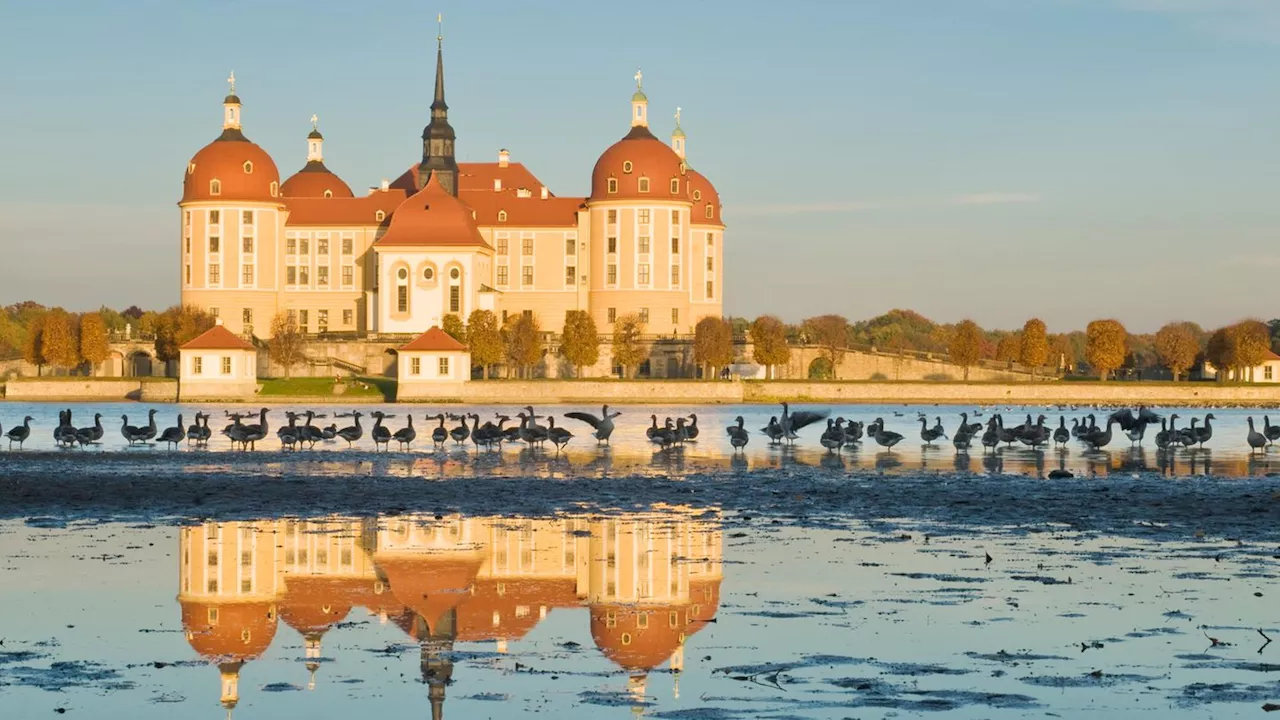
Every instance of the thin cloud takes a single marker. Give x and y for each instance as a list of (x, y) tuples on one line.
[(802, 208), (995, 198)]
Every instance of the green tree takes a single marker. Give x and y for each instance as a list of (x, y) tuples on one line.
[(176, 327), (113, 320), (628, 351), (33, 344), (485, 340), (287, 347), (94, 348), (59, 343), (523, 341), (580, 342), (1033, 352), (1105, 348), (831, 334), (1177, 347), (966, 344), (713, 344), (452, 326), (769, 346)]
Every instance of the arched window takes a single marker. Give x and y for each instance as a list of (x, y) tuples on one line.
[(248, 167), (402, 290), (215, 187), (275, 188), (379, 216), (613, 185), (711, 212), (644, 184), (675, 185), (683, 168), (328, 193), (627, 166), (502, 216)]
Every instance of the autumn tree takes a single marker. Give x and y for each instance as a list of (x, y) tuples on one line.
[(1220, 352), (966, 344), (1008, 349), (769, 345), (712, 344), (1252, 342), (831, 334), (628, 351), (94, 348), (176, 327), (287, 348), (1033, 352), (452, 326), (1105, 346), (580, 342), (58, 344), (1177, 347), (33, 346), (522, 340), (485, 340)]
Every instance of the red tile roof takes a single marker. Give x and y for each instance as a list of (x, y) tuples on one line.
[(224, 160), (435, 339), (431, 218), (360, 211), (217, 337), (649, 158), (523, 212), (479, 177), (313, 180)]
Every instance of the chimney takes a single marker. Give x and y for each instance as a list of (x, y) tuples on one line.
[(386, 185), (504, 157), (544, 192), (497, 184), (217, 321), (373, 189)]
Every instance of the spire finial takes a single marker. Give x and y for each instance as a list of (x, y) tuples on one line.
[(639, 79), (315, 121), (231, 80), (439, 29), (677, 116)]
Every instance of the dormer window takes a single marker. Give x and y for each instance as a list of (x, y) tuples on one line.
[(502, 216), (711, 212), (644, 185), (613, 185), (675, 185), (275, 188), (215, 187), (248, 168), (683, 168), (697, 195), (191, 168), (379, 216), (626, 166), (328, 193)]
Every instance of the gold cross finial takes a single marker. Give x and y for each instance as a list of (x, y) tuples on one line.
[(315, 121), (639, 79), (231, 80)]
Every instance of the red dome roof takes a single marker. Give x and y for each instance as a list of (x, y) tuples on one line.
[(430, 584), (432, 217), (236, 631), (649, 158), (633, 648), (313, 181), (312, 605), (243, 170), (704, 195)]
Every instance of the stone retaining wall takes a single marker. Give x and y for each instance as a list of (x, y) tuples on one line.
[(91, 389)]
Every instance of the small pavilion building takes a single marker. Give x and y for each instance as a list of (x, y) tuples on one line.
[(217, 365), (434, 365)]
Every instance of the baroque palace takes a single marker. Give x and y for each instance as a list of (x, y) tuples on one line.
[(449, 238)]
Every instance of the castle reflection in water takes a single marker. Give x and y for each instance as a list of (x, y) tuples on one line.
[(647, 581)]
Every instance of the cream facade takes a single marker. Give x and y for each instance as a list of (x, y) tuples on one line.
[(648, 239)]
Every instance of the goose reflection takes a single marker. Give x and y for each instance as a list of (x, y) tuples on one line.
[(831, 461), (739, 462), (1097, 462), (993, 463), (962, 463), (887, 461), (1134, 459)]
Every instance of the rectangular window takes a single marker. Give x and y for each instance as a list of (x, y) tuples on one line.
[(570, 246), (226, 365), (526, 275), (188, 274), (215, 274), (347, 317), (675, 214), (322, 275), (303, 316), (502, 274), (455, 299), (675, 276), (644, 216), (502, 246), (246, 217), (402, 298), (644, 244), (346, 246), (675, 246), (214, 312), (526, 246), (570, 275), (348, 275), (246, 245), (613, 216), (188, 246), (322, 247), (711, 241), (246, 275), (613, 245), (214, 243), (322, 321), (215, 217), (186, 218), (675, 188), (304, 275), (291, 246), (643, 273), (197, 365), (293, 316), (1266, 372), (612, 275), (613, 185), (644, 315), (291, 275), (246, 316), (711, 264), (675, 316), (444, 367), (611, 315), (415, 366), (710, 288), (304, 246), (644, 185)]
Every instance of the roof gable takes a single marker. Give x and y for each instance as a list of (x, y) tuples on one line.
[(434, 340), (217, 337)]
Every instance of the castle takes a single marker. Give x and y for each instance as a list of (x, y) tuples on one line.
[(449, 238)]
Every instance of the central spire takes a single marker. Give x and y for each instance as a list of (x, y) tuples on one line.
[(438, 136)]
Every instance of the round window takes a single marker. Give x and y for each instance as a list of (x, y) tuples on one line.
[(402, 274), (428, 274), (626, 166), (248, 167), (455, 274)]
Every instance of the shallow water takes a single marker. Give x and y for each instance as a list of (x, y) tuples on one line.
[(675, 612)]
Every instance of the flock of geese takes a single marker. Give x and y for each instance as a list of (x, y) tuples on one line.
[(301, 432)]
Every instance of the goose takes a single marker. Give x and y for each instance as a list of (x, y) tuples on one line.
[(665, 437), (1257, 441), (970, 428), (603, 425), (352, 432), (475, 428), (252, 433), (557, 435), (852, 434), (886, 438), (1008, 437), (1100, 438), (486, 434), (193, 432), (991, 438), (1038, 434), (131, 433), (738, 435), (1204, 434), (20, 433), (682, 430), (309, 433), (531, 434), (793, 422), (150, 430), (289, 434), (1188, 436), (1271, 432), (929, 434), (462, 432), (504, 434), (329, 433), (92, 434), (534, 426), (652, 429), (962, 438), (773, 430), (173, 436), (1163, 438), (380, 435), (406, 435), (65, 433), (439, 435), (691, 430), (833, 438), (1137, 433), (1062, 434), (1084, 428), (875, 425), (205, 432)]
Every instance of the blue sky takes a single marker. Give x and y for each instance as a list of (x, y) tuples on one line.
[(993, 159)]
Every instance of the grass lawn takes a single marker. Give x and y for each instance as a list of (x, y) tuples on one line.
[(380, 387)]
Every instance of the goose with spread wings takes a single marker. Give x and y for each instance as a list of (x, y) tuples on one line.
[(793, 422), (603, 424)]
